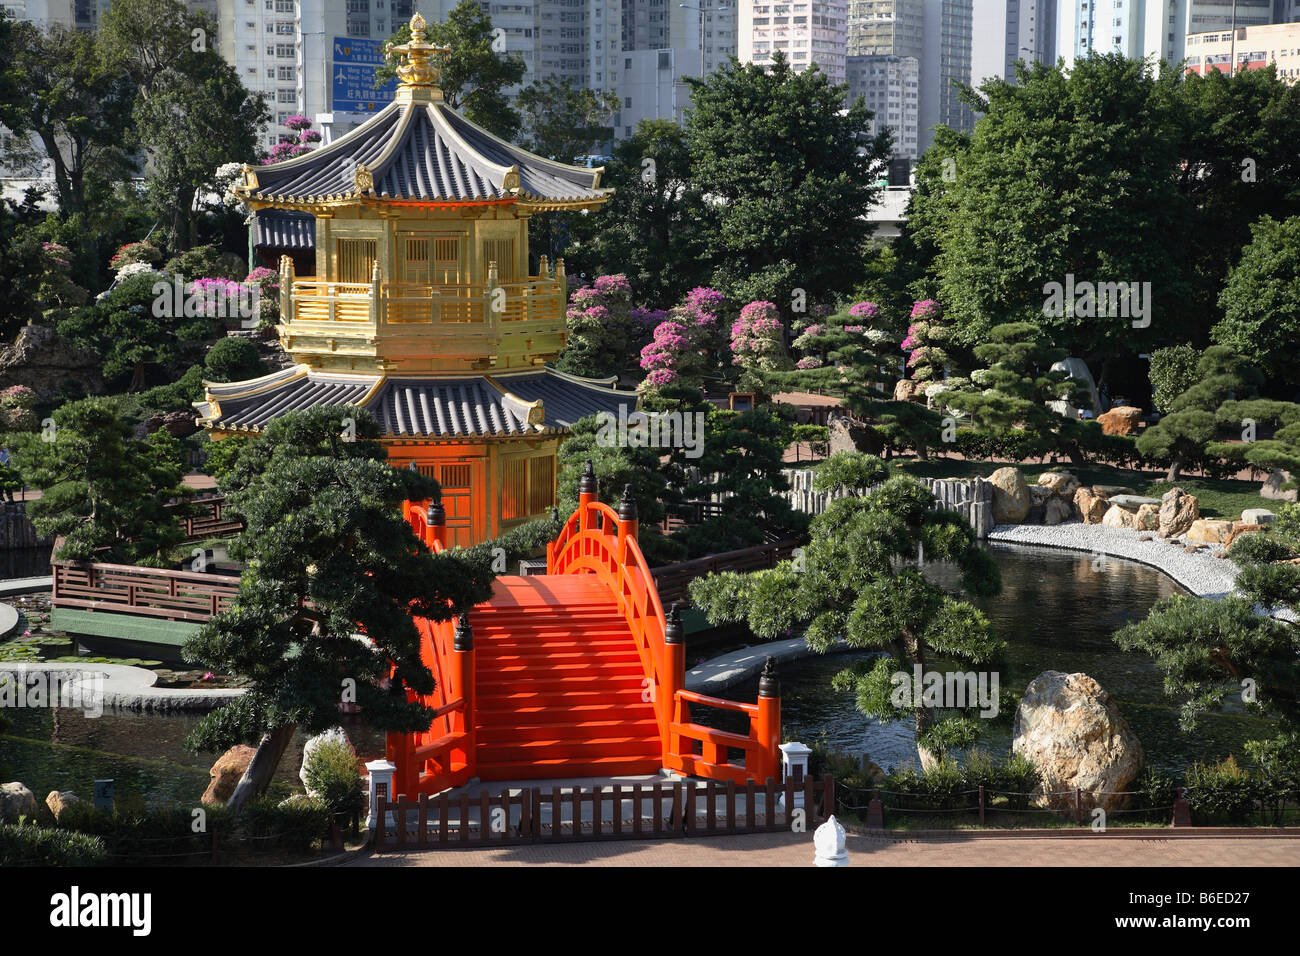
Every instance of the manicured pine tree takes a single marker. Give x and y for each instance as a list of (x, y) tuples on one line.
[(1193, 419), (327, 556), (859, 578), (1014, 389)]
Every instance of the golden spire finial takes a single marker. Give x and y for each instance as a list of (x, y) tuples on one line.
[(416, 67)]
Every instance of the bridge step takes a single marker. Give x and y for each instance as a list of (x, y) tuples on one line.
[(552, 769), (568, 732), (530, 751), (591, 707)]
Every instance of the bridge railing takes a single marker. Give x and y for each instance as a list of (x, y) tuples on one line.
[(599, 540), (443, 755)]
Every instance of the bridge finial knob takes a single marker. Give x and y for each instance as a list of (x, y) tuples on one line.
[(464, 638), (627, 510), (768, 685), (587, 484), (437, 514), (674, 630)]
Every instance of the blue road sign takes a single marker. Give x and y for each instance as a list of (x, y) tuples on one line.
[(354, 76)]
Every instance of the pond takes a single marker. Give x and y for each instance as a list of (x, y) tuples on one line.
[(1057, 611)]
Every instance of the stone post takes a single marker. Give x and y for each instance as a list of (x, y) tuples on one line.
[(829, 841), (381, 773)]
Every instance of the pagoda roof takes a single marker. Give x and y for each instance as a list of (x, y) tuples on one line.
[(284, 229), (522, 404), (420, 150)]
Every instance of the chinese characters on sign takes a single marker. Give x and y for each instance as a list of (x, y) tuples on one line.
[(354, 76)]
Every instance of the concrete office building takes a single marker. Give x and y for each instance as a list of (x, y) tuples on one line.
[(1249, 48), (806, 31), (1155, 28), (890, 86)]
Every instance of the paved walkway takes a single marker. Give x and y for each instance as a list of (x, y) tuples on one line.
[(790, 849)]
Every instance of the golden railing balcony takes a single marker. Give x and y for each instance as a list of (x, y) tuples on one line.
[(414, 327)]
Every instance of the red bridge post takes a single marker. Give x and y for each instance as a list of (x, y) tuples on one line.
[(463, 645), (769, 718)]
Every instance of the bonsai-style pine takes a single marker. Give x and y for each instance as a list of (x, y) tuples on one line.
[(1014, 389), (1193, 418), (859, 577), (327, 557)]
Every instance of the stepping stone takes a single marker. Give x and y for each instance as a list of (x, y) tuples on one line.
[(1105, 491), (1131, 502)]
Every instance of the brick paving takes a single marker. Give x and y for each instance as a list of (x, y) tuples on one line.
[(791, 849)]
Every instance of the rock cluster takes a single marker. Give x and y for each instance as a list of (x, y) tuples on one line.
[(226, 773)]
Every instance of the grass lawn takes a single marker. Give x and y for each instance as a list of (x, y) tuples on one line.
[(1216, 499)]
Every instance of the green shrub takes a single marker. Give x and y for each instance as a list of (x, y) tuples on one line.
[(1221, 793), (233, 359), (1288, 520), (294, 825), (1173, 371), (332, 773), (207, 262), (1154, 793), (26, 845)]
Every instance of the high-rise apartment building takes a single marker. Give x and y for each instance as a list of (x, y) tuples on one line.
[(885, 27), (1248, 48), (806, 31), (890, 86), (1151, 28)]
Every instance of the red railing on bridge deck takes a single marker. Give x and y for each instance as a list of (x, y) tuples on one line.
[(598, 540)]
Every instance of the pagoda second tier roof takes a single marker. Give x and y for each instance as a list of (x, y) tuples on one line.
[(525, 404), (417, 150)]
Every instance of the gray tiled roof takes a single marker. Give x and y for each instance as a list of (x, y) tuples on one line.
[(426, 152), (465, 406), (284, 229)]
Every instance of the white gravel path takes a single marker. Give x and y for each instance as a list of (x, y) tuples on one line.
[(1204, 573)]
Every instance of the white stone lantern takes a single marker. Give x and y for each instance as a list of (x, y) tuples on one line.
[(794, 766), (828, 844), (381, 781)]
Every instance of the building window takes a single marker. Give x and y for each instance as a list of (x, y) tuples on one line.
[(527, 486), (356, 260)]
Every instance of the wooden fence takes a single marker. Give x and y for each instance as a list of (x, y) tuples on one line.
[(151, 592), (212, 521), (642, 811), (972, 498), (16, 529)]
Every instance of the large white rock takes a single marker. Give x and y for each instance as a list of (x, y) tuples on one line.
[(1272, 487), (16, 800), (335, 734), (1071, 730), (1257, 516), (1011, 498), (1077, 368), (1178, 511)]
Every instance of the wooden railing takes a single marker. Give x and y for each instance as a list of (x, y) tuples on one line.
[(211, 522), (150, 592), (369, 307), (672, 580), (640, 811)]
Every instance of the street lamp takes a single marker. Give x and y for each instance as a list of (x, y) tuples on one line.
[(702, 11)]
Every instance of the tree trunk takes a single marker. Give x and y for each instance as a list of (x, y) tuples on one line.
[(261, 768), (922, 720), (1175, 468), (1073, 452)]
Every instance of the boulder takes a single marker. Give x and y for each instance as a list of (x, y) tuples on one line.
[(1038, 494), (1091, 507), (1258, 516), (226, 773), (1117, 517), (1071, 730), (1240, 529), (1178, 510), (1105, 491), (1060, 483), (179, 424), (1147, 517), (847, 434), (1272, 487), (39, 359), (1132, 502), (1011, 498), (1077, 369), (60, 800), (1209, 531), (15, 801), (1057, 511), (333, 735), (1120, 420), (908, 390)]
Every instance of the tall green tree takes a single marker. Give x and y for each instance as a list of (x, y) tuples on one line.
[(563, 122), (860, 578), (1070, 172), (60, 86), (1261, 300), (477, 72), (327, 557), (650, 228), (104, 491), (781, 155), (186, 95)]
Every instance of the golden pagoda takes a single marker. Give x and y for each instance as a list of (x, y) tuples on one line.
[(421, 308)]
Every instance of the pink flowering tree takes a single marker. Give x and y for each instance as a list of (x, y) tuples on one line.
[(684, 346), (18, 409), (924, 342), (599, 323), (133, 252), (304, 141), (758, 339)]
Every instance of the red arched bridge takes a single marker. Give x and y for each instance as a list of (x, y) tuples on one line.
[(572, 673)]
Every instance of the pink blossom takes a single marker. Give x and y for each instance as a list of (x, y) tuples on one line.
[(810, 361), (864, 310)]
